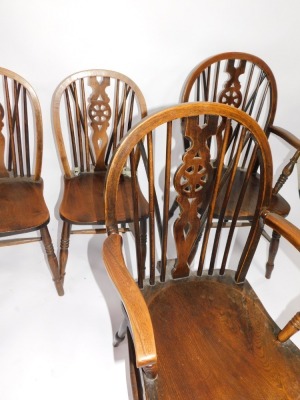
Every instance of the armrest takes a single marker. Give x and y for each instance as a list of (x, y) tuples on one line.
[(283, 227), (292, 234), (285, 135), (133, 301)]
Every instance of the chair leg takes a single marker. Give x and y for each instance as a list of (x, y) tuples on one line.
[(64, 249), (47, 242), (121, 333), (274, 244)]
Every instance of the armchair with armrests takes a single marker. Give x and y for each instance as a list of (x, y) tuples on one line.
[(198, 330), (246, 82)]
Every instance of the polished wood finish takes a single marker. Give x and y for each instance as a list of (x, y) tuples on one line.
[(220, 343), (245, 82), (144, 338), (197, 330), (22, 205), (92, 111), (284, 228), (292, 234), (292, 327)]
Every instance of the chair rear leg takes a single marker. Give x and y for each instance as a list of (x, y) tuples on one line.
[(52, 260), (274, 244), (64, 249)]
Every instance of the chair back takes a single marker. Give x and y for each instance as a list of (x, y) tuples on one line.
[(92, 110), (238, 79), (21, 130), (198, 179)]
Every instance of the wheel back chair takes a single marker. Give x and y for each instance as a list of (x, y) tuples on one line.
[(92, 110), (197, 330), (22, 205), (246, 82)]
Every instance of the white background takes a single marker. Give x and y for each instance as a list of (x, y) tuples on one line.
[(60, 348)]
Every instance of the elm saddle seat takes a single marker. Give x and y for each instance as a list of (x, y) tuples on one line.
[(16, 197), (246, 82), (278, 204), (221, 339), (198, 331), (87, 192), (92, 110), (22, 205)]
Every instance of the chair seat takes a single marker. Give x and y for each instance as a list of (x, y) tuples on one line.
[(83, 200), (210, 328), (22, 206), (278, 204)]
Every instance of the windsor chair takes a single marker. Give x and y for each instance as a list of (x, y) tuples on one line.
[(92, 110), (246, 82), (22, 205), (198, 330)]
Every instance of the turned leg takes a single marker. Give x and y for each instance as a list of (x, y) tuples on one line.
[(290, 329), (274, 244), (64, 249), (47, 242), (121, 333)]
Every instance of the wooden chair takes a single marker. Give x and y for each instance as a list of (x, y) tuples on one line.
[(199, 331), (22, 205), (92, 110), (246, 82)]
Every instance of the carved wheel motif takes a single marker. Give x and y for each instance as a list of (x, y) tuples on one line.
[(99, 112), (193, 179), (231, 97)]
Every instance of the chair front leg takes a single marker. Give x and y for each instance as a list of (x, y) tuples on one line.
[(273, 249), (52, 260), (64, 249)]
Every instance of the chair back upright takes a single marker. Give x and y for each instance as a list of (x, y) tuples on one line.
[(21, 130), (238, 79), (197, 178), (92, 111)]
